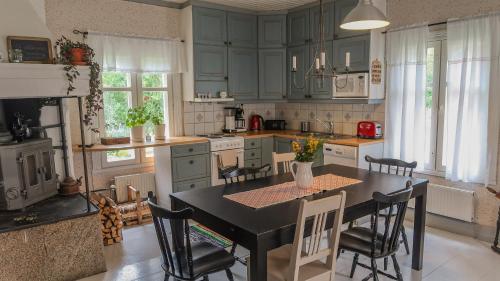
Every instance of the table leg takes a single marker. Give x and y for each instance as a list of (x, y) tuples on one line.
[(419, 231), (258, 264)]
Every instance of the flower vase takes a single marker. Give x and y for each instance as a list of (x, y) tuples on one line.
[(303, 175)]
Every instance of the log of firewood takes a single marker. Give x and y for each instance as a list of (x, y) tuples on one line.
[(118, 239), (108, 224)]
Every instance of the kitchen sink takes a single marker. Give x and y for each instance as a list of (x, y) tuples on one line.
[(324, 135)]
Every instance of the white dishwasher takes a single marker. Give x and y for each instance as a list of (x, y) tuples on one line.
[(351, 156)]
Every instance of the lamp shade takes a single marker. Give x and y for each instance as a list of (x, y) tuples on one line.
[(364, 16)]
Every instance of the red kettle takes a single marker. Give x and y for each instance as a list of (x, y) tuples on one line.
[(256, 122)]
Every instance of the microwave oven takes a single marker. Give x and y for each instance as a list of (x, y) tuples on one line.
[(354, 85)]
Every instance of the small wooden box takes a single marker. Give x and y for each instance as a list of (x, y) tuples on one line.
[(111, 141)]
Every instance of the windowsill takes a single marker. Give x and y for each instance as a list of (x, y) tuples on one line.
[(136, 145), (432, 173), (105, 170)]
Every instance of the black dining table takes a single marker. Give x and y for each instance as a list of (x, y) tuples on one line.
[(264, 229)]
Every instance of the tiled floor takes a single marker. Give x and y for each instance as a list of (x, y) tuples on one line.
[(448, 257)]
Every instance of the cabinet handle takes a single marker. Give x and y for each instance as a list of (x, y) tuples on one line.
[(226, 78), (252, 143), (253, 154), (191, 162), (191, 150), (192, 185), (230, 43), (225, 42)]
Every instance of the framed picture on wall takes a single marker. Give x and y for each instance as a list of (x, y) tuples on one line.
[(29, 49)]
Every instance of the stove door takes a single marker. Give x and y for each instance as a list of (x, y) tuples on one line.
[(31, 176), (224, 159)]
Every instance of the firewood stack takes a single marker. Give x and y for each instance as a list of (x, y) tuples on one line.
[(111, 219)]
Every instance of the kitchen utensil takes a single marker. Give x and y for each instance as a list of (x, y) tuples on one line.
[(275, 125), (305, 126), (369, 130), (256, 122)]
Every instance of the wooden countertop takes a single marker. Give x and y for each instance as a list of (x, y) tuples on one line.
[(292, 134), (135, 145)]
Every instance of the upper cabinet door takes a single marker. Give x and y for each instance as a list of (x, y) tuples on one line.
[(359, 47), (210, 62), (272, 73), (321, 88), (298, 86), (272, 31), (243, 73), (342, 8), (242, 30), (328, 20), (209, 26), (298, 28)]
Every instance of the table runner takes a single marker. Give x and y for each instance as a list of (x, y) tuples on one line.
[(283, 192)]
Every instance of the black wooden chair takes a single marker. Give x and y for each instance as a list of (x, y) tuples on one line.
[(233, 175), (370, 243), (397, 167), (183, 259)]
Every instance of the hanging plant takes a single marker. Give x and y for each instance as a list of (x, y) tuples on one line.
[(72, 54)]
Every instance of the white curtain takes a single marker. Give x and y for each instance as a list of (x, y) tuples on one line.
[(472, 103), (133, 54), (405, 102)]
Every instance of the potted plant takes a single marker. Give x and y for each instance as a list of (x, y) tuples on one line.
[(304, 157), (77, 53), (135, 120), (155, 114)]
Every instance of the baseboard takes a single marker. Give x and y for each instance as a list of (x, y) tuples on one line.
[(481, 232)]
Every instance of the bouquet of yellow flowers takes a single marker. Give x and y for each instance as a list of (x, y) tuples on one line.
[(305, 152)]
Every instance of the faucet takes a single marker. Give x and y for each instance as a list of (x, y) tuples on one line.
[(329, 125)]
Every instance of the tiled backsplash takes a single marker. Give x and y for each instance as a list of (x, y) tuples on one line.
[(344, 116), (208, 118)]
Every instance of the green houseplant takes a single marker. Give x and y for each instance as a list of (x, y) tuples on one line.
[(135, 120), (71, 54), (156, 117)]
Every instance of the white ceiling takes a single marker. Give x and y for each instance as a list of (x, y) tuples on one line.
[(257, 5)]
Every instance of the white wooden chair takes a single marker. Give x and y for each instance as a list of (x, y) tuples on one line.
[(285, 159), (290, 263)]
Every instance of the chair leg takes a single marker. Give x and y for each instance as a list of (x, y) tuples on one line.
[(205, 278), (229, 275), (354, 264), (386, 262), (396, 268), (167, 277), (374, 270), (405, 240)]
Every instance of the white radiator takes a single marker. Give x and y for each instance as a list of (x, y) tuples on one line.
[(449, 202), (143, 182)]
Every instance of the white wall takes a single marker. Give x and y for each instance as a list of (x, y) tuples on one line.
[(22, 18)]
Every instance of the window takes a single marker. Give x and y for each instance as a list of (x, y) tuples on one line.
[(435, 96), (121, 91)]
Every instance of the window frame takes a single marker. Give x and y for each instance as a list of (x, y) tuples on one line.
[(137, 99), (438, 41)]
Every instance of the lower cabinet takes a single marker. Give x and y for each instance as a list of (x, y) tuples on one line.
[(189, 167), (191, 184)]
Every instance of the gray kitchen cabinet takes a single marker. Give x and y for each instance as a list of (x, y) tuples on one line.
[(298, 86), (359, 47), (321, 88), (328, 15), (272, 73), (190, 167), (254, 163), (267, 148), (282, 145), (243, 73), (191, 184), (251, 143), (210, 62), (190, 149), (298, 28), (242, 30), (209, 26), (342, 8), (272, 31), (251, 154)]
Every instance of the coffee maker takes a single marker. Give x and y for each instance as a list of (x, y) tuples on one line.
[(239, 120)]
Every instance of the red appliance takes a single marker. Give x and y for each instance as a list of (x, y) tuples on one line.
[(256, 122), (369, 130)]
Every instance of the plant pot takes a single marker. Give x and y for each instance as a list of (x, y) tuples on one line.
[(303, 176), (137, 134), (78, 56), (160, 132)]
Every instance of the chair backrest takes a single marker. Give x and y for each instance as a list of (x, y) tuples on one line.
[(233, 175), (177, 258), (388, 163), (319, 210), (284, 159), (392, 229)]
